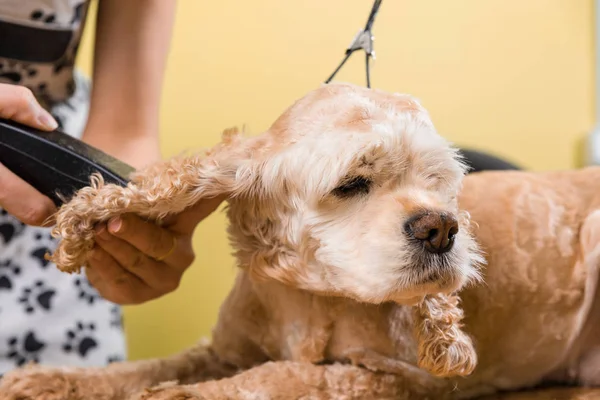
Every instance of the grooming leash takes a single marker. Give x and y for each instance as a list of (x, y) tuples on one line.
[(362, 41)]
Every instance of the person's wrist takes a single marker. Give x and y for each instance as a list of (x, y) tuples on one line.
[(134, 148)]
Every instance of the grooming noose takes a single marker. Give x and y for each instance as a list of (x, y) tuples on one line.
[(363, 40)]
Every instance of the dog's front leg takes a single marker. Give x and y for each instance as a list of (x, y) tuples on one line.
[(286, 380)]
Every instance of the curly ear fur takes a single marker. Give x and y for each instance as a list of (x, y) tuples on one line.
[(444, 349), (167, 187)]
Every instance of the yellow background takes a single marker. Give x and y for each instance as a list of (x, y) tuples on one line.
[(513, 77)]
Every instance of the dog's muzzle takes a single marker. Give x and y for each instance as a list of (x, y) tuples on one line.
[(434, 230)]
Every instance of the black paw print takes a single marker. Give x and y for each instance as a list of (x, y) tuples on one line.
[(8, 271), (25, 350), (114, 359), (10, 227), (16, 72), (38, 295), (42, 90), (78, 12), (81, 340), (40, 15), (59, 121), (43, 242), (86, 290), (116, 319)]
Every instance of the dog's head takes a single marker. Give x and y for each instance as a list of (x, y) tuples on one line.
[(351, 192)]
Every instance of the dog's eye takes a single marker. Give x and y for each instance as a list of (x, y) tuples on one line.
[(352, 187)]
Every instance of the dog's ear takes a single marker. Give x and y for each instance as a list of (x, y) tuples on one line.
[(444, 349), (225, 170), (167, 187)]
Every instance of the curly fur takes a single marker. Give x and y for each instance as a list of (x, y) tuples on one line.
[(444, 349), (334, 299)]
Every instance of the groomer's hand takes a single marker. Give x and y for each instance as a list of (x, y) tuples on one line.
[(20, 199), (135, 261)]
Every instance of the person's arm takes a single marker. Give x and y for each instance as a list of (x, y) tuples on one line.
[(135, 261), (131, 48)]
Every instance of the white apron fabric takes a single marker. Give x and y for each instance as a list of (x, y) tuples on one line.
[(47, 316)]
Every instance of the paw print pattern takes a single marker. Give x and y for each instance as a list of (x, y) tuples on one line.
[(41, 90), (8, 271), (78, 12), (15, 73), (114, 359), (81, 340), (10, 227), (116, 320), (26, 349), (37, 296), (86, 291), (43, 243), (40, 15)]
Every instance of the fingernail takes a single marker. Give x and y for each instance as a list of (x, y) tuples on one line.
[(46, 120), (114, 225)]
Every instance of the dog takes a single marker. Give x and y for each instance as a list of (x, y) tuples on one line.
[(370, 266)]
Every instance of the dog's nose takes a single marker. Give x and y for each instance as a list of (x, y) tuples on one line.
[(436, 230)]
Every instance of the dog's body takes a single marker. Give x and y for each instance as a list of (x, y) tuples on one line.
[(339, 296), (535, 320), (537, 317)]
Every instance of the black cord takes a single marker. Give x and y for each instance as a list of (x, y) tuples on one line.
[(350, 50), (348, 53), (368, 71), (372, 15)]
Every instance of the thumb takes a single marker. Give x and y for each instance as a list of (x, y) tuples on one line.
[(18, 103), (186, 222)]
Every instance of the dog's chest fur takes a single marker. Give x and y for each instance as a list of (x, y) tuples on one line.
[(288, 324)]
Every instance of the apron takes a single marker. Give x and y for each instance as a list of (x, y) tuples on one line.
[(47, 316)]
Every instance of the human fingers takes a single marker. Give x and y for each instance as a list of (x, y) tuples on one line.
[(159, 277), (23, 201), (155, 242), (18, 103), (113, 282)]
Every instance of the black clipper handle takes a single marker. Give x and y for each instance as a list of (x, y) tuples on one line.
[(55, 163)]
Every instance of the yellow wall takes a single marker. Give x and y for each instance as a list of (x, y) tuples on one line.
[(511, 76)]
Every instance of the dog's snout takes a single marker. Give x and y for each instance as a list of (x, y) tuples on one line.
[(436, 230)]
